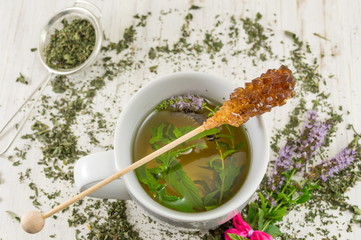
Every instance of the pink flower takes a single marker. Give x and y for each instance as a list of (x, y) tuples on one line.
[(243, 229)]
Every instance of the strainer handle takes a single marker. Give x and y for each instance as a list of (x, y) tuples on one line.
[(41, 86), (98, 14)]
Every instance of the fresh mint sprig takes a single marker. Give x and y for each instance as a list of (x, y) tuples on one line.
[(169, 171)]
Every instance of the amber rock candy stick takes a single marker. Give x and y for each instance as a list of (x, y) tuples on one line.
[(271, 89)]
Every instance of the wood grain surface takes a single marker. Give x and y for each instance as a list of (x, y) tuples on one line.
[(22, 21)]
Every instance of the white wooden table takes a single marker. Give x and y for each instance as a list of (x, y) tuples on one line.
[(20, 26)]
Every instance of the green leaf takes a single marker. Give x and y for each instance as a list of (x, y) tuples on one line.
[(252, 212), (147, 178), (205, 133), (168, 130), (310, 187), (282, 196), (209, 197), (179, 205), (205, 167), (211, 207), (166, 159), (217, 166), (211, 161), (263, 203), (278, 214), (164, 196), (224, 145), (222, 135), (239, 146), (303, 198), (177, 133), (157, 134), (185, 130), (236, 237), (204, 184), (260, 218), (273, 230), (155, 171), (231, 173), (183, 185), (228, 153)]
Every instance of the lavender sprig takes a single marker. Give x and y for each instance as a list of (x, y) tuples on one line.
[(284, 160), (297, 153), (312, 138), (332, 167), (183, 103)]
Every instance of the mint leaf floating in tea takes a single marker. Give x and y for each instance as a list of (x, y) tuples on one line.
[(272, 89)]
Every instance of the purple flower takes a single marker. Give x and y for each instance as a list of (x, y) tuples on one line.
[(304, 148), (311, 118), (283, 163), (298, 165), (188, 103), (284, 159), (323, 178), (312, 138), (275, 181), (330, 168), (296, 153), (272, 186), (197, 101)]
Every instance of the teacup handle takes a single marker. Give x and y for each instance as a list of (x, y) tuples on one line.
[(93, 168)]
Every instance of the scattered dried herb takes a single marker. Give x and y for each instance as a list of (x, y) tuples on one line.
[(13, 216), (257, 38), (108, 225), (22, 79), (320, 36), (153, 69), (212, 43), (123, 44), (60, 84), (142, 19), (195, 7)]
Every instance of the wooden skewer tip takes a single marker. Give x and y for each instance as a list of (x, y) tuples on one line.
[(32, 222)]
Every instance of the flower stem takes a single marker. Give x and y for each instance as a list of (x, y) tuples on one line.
[(272, 208), (221, 176), (266, 225), (232, 135), (209, 109), (289, 180)]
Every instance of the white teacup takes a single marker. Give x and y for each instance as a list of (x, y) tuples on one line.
[(93, 168)]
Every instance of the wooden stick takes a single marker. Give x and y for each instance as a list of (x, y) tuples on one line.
[(33, 222)]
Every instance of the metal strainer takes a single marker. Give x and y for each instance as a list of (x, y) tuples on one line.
[(81, 9)]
